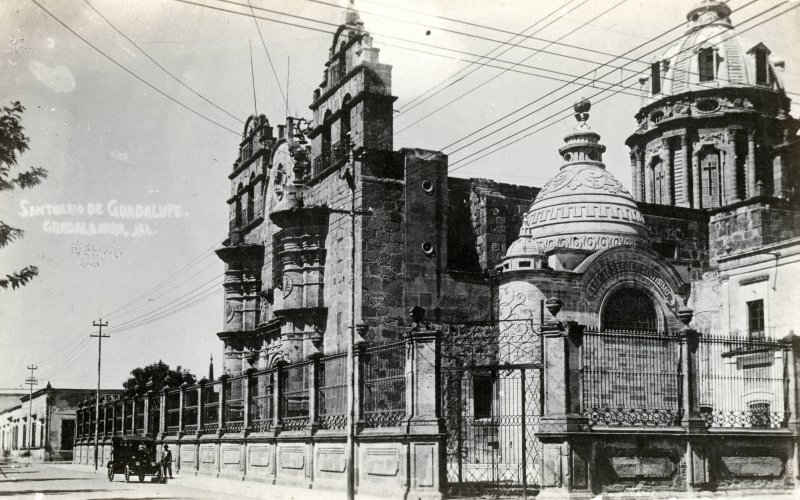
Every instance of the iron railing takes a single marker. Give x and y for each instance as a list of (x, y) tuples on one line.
[(233, 407), (743, 381), (210, 416), (261, 407), (383, 391), (332, 392), (631, 378), (295, 396)]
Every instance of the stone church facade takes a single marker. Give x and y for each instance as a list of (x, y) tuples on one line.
[(577, 338)]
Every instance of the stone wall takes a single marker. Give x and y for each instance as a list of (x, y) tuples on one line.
[(746, 226)]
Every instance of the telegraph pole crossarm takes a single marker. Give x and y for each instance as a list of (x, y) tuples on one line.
[(100, 337)]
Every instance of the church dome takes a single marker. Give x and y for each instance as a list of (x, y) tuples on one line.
[(583, 207), (712, 55)]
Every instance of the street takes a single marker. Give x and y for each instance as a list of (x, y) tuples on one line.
[(64, 481)]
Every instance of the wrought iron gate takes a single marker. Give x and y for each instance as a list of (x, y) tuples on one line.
[(492, 416)]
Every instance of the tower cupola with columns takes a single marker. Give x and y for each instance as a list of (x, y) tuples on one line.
[(713, 127)]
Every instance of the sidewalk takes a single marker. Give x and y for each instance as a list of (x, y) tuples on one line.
[(231, 488)]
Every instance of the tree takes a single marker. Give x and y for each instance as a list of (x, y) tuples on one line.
[(156, 376), (13, 141)]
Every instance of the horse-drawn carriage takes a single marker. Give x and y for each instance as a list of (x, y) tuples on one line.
[(134, 456)]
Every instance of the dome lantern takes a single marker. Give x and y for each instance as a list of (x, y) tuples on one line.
[(581, 210)]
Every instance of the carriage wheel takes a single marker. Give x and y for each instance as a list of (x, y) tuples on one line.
[(110, 473), (127, 474)]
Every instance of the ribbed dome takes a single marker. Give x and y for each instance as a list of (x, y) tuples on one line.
[(583, 207), (732, 59)]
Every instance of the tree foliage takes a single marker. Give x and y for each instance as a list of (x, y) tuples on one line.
[(14, 142), (156, 376)]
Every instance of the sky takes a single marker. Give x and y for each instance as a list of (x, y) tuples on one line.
[(116, 132)]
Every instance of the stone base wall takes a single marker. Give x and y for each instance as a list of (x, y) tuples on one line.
[(388, 463), (645, 462)]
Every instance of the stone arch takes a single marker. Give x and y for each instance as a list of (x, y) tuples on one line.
[(607, 271), (630, 306)]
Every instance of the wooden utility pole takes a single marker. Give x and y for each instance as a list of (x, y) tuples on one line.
[(30, 381), (100, 337)]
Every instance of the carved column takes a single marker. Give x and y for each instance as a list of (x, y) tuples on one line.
[(732, 168), (666, 159), (181, 399), (247, 382), (200, 386), (696, 187), (649, 183), (750, 166), (277, 394), (687, 169), (635, 176)]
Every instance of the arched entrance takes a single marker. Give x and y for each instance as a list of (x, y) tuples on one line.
[(630, 309)]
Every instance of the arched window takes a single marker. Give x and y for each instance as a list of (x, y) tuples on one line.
[(630, 309), (325, 150), (659, 184), (762, 66), (710, 181), (706, 65), (250, 201), (344, 118), (655, 78), (238, 207)]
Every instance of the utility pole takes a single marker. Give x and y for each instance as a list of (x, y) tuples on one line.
[(100, 337), (30, 381), (349, 175)]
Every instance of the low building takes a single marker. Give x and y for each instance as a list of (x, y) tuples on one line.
[(42, 423)]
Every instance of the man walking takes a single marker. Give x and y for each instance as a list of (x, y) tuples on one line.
[(166, 461)]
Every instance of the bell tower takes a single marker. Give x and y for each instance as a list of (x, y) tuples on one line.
[(353, 104)]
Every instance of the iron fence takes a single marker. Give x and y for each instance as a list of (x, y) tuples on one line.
[(631, 378), (383, 390), (154, 415), (233, 406), (295, 396), (332, 392), (210, 416), (261, 411), (743, 381), (172, 410)]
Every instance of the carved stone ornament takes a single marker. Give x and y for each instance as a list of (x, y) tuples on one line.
[(287, 286), (228, 312), (588, 176)]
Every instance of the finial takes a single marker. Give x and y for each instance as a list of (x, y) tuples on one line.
[(582, 107)]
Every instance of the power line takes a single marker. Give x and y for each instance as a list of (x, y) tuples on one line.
[(130, 72), (411, 104), (473, 89), (606, 97), (274, 73), (126, 37)]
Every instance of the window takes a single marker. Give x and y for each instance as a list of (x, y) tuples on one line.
[(630, 310), (709, 168), (762, 67), (655, 78), (659, 185), (707, 65), (250, 201), (482, 396), (755, 318), (238, 207)]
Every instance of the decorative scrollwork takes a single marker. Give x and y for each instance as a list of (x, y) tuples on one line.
[(636, 417), (262, 426), (333, 421), (210, 428), (747, 419), (384, 418), (295, 423)]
